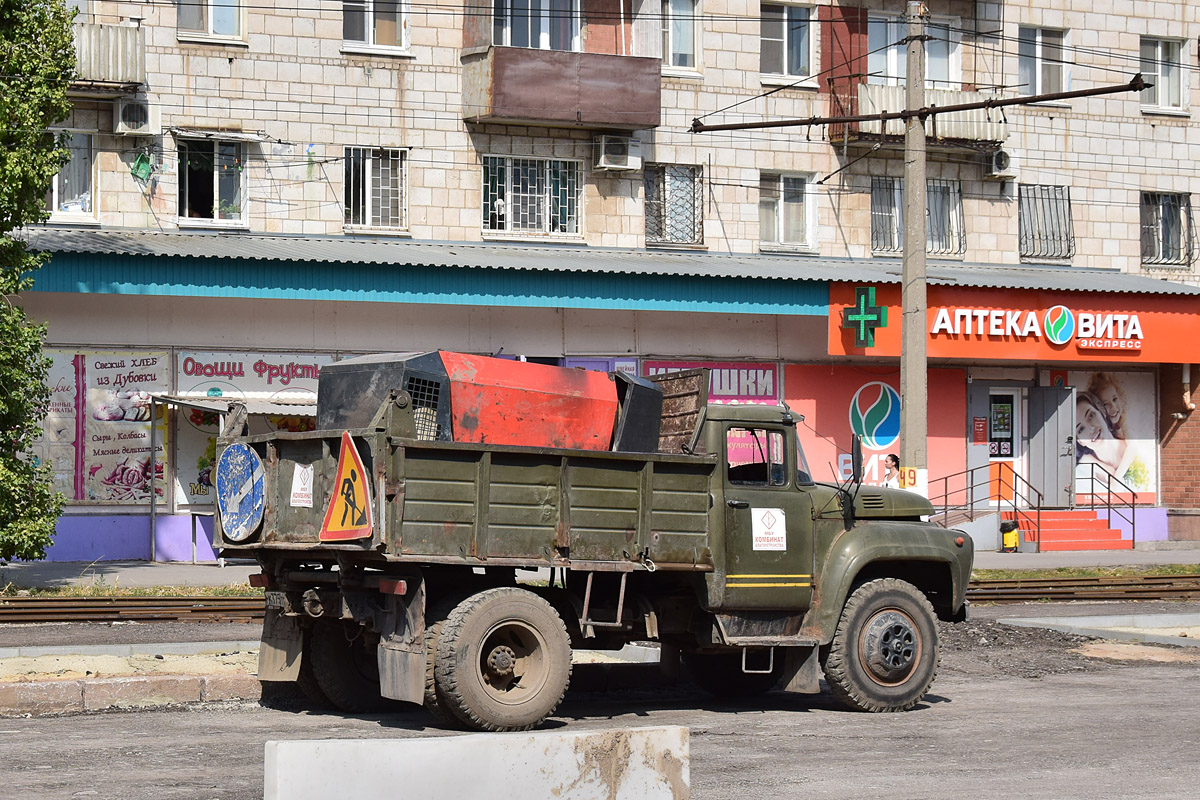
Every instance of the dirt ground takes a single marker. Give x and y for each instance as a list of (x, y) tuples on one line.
[(980, 648)]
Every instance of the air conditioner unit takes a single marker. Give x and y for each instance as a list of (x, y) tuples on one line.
[(1000, 165), (135, 118), (617, 153)]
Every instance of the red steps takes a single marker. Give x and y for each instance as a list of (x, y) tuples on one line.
[(1079, 529)]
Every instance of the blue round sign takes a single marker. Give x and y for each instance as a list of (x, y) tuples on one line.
[(239, 486)]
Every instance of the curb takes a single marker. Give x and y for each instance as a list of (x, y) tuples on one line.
[(36, 698)]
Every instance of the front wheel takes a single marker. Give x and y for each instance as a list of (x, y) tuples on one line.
[(884, 655), (503, 660)]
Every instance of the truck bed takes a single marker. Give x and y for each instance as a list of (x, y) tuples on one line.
[(446, 502)]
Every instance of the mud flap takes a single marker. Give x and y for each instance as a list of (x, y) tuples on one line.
[(401, 650), (801, 671), (282, 644)]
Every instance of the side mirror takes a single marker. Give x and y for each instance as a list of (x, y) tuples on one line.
[(856, 458)]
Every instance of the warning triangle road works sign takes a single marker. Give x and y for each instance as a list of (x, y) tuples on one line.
[(349, 513)]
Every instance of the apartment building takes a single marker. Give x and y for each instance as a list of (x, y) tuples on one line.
[(258, 189)]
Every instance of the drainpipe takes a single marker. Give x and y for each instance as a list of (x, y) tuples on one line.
[(1188, 405)]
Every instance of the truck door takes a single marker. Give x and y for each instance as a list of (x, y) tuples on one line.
[(768, 523)]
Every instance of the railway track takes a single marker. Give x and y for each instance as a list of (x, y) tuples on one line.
[(1024, 590), (130, 609), (250, 608)]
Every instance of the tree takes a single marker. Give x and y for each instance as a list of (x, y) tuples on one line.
[(37, 62)]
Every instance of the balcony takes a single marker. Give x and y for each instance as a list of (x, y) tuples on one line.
[(979, 126), (110, 59), (559, 88)]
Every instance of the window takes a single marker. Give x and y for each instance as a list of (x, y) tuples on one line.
[(887, 61), (1167, 236), (679, 33), (755, 457), (71, 191), (1044, 221), (532, 195), (211, 17), (943, 216), (784, 210), (786, 46), (674, 204), (540, 24), (211, 180), (374, 186), (1162, 66), (381, 23), (1040, 61)]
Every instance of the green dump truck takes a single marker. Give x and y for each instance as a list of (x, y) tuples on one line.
[(457, 525)]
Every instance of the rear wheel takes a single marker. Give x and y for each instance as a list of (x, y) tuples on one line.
[(503, 660), (721, 674), (307, 681), (884, 655), (345, 668)]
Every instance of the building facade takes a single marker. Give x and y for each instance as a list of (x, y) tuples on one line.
[(260, 190)]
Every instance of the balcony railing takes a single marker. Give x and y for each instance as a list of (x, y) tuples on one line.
[(979, 125), (561, 88), (109, 56)]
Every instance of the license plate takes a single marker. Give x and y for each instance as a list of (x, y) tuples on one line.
[(277, 600)]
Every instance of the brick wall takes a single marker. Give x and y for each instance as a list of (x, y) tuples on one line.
[(1180, 449)]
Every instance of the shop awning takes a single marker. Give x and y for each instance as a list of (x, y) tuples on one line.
[(569, 259), (292, 406), (228, 136)]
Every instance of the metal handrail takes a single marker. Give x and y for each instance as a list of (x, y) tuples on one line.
[(1108, 504), (971, 481)]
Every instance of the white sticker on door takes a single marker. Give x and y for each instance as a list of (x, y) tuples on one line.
[(769, 528), (302, 486)]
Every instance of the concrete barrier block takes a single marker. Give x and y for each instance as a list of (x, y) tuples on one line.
[(41, 697), (623, 764), (151, 690), (230, 687)]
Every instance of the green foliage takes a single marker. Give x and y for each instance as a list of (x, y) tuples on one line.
[(37, 62)]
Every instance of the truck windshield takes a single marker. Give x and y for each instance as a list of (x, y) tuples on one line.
[(803, 473)]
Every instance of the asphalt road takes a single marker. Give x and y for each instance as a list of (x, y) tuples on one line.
[(1115, 731)]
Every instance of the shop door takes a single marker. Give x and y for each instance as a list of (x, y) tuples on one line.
[(1052, 444)]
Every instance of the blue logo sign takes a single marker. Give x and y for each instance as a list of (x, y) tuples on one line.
[(239, 488), (875, 415), (1059, 323)]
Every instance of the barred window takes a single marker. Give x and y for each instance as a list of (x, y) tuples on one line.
[(532, 195), (784, 210), (944, 218), (375, 181), (1044, 221), (887, 215), (1167, 234), (944, 231), (674, 204)]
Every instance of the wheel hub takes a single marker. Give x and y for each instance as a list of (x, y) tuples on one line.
[(890, 646), (501, 662)]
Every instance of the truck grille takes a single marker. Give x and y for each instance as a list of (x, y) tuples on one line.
[(425, 395)]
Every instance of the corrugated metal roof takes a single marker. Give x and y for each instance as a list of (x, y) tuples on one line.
[(579, 258)]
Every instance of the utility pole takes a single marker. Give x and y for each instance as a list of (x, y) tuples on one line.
[(914, 375)]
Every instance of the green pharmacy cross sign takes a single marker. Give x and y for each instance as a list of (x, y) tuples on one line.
[(864, 317)]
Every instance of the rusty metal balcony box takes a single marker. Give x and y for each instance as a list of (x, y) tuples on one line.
[(559, 88)]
